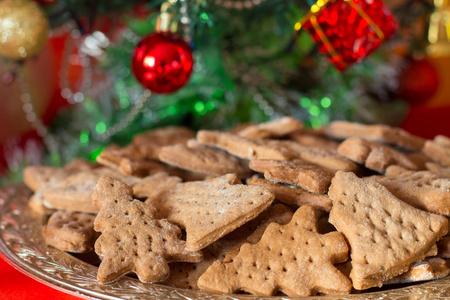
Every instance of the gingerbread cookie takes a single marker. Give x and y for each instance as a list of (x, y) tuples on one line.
[(70, 231), (40, 179), (326, 158), (438, 169), (377, 133), (294, 259), (36, 204), (272, 129), (75, 192), (438, 150), (254, 230), (442, 140), (203, 159), (429, 269), (293, 195), (129, 161), (80, 165), (185, 275), (313, 138), (274, 150), (153, 187), (225, 179), (151, 142), (243, 147), (423, 190), (419, 159), (209, 211), (386, 236), (36, 177), (374, 156), (308, 176), (444, 247), (132, 240)]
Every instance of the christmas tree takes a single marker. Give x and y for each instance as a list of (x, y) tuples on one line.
[(127, 66)]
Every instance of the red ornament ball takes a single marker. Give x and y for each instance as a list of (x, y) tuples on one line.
[(419, 82), (162, 62)]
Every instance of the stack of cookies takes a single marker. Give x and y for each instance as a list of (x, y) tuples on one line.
[(265, 209)]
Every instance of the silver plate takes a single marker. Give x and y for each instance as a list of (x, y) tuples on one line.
[(22, 245)]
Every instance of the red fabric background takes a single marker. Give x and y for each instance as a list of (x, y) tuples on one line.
[(17, 286), (428, 122)]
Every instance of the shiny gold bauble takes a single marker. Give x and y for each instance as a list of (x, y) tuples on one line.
[(23, 28)]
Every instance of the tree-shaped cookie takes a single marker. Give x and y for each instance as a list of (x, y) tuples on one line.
[(423, 190), (386, 235), (294, 259), (132, 239), (210, 209)]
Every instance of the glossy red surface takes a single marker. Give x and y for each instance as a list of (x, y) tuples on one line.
[(162, 62), (349, 32), (17, 286)]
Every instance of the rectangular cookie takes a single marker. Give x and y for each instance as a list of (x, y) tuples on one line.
[(438, 151), (438, 170), (272, 129), (199, 158), (36, 177), (243, 147), (374, 156), (293, 195), (275, 150), (428, 269), (152, 188), (326, 158), (129, 161), (308, 176), (313, 138), (70, 231), (377, 133), (151, 142), (75, 192)]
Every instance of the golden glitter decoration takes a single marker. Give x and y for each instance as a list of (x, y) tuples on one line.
[(23, 29), (439, 31)]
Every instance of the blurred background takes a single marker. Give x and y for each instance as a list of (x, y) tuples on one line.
[(76, 76)]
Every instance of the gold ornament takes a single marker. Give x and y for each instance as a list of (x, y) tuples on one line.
[(439, 32), (23, 28)]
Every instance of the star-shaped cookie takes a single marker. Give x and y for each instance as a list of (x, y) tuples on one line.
[(294, 259)]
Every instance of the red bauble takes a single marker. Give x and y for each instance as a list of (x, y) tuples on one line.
[(162, 62), (346, 30), (419, 81)]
